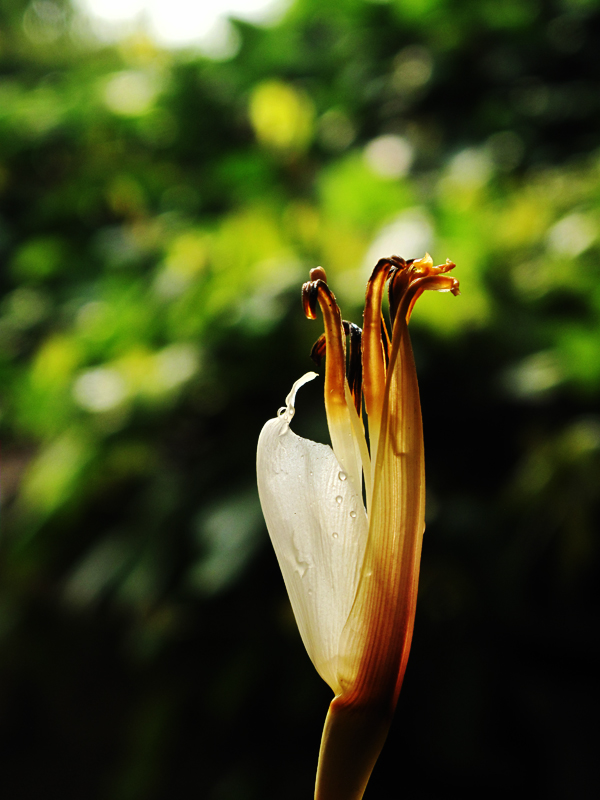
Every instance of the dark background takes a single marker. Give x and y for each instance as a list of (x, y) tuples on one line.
[(158, 213)]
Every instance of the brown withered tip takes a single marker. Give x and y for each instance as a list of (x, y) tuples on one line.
[(310, 292), (318, 274)]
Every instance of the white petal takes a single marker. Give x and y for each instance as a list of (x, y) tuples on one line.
[(318, 526)]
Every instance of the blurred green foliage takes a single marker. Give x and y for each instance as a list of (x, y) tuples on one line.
[(158, 213)]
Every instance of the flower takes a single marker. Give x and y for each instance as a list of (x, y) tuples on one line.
[(351, 568)]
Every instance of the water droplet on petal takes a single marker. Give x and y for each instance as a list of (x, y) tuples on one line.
[(301, 567), (335, 535), (338, 499), (342, 476), (353, 514)]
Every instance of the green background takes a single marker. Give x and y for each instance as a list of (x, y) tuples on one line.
[(158, 214)]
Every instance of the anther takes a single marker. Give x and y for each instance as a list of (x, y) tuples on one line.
[(318, 274)]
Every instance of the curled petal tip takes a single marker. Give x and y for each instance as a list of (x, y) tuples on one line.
[(423, 265), (310, 291), (290, 400)]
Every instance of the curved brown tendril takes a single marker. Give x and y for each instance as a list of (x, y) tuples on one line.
[(310, 291), (368, 376), (310, 295), (398, 284), (318, 292), (344, 428), (438, 283), (376, 343), (406, 285)]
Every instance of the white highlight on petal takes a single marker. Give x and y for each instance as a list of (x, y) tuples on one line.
[(319, 539)]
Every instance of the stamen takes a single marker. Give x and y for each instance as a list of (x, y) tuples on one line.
[(354, 333), (315, 292), (374, 347), (318, 350), (399, 281), (437, 283), (318, 273), (385, 340), (345, 446), (406, 285), (355, 364)]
